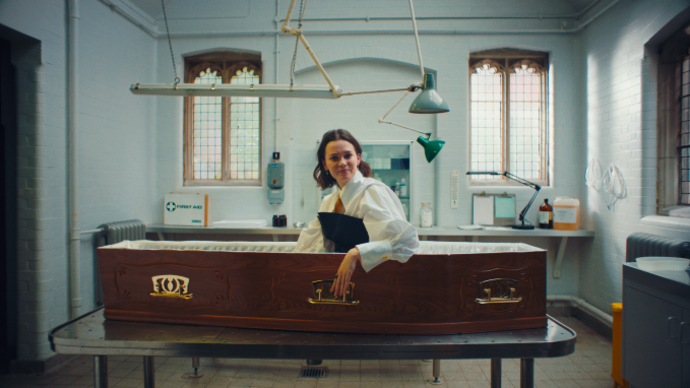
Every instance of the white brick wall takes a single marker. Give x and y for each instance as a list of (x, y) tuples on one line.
[(621, 130), (117, 152)]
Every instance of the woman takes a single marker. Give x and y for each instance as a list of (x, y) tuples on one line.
[(363, 219)]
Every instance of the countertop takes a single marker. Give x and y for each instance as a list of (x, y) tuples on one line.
[(673, 282), (434, 231)]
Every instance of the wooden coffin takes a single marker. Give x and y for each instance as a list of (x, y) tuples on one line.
[(227, 285)]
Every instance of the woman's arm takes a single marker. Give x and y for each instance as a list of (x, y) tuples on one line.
[(391, 237), (347, 267), (311, 239)]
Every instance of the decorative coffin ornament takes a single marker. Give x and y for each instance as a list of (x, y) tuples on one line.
[(446, 288)]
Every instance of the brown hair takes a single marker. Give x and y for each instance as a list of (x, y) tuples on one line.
[(324, 180)]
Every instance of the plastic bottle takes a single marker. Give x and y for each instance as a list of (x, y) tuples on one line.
[(397, 189), (546, 215), (566, 214), (426, 216), (403, 188)]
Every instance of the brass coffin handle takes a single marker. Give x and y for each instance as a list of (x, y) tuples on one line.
[(171, 286), (322, 294), (499, 287)]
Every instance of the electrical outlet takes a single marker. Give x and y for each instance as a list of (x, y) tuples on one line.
[(454, 188)]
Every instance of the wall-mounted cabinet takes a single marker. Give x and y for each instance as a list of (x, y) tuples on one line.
[(391, 162)]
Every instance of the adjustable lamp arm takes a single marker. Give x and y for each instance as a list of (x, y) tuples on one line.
[(516, 178), (535, 186), (412, 88)]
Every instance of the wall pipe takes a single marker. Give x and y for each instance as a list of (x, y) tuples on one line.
[(275, 104), (581, 303), (539, 17), (127, 13), (72, 165)]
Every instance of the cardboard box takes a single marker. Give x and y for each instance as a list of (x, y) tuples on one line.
[(185, 209)]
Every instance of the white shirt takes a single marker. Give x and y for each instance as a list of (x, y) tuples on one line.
[(390, 235)]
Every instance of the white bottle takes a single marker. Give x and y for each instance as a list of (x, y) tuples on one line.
[(397, 189), (403, 188), (426, 217)]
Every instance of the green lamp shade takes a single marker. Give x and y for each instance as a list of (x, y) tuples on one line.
[(428, 102), (431, 147)]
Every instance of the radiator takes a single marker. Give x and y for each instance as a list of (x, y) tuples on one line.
[(644, 244), (115, 232)]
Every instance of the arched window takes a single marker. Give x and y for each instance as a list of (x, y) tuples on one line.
[(223, 134), (508, 114)]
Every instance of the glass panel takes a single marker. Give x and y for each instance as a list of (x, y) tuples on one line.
[(486, 119), (208, 134), (525, 112), (244, 124), (684, 140)]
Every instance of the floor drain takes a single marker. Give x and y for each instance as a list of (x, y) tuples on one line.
[(314, 372)]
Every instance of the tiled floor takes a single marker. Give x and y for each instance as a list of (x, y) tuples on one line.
[(588, 367)]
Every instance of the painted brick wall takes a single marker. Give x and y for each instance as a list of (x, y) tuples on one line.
[(621, 131), (117, 152)]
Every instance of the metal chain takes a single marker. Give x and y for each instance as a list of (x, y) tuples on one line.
[(302, 6), (172, 55)]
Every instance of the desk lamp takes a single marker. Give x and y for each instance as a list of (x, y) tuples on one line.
[(508, 175)]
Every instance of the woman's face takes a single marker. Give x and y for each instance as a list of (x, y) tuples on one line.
[(341, 161)]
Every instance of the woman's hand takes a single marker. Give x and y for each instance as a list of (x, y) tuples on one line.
[(342, 278)]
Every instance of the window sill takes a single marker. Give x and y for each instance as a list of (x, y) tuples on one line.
[(677, 223)]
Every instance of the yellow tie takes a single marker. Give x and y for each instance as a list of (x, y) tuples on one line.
[(338, 206)]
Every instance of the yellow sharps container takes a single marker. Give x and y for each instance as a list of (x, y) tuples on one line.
[(617, 345)]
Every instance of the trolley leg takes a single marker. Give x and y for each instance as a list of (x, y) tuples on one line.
[(100, 371), (436, 372), (526, 373), (496, 373), (149, 376), (195, 367)]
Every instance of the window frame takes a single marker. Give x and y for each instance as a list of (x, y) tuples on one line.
[(227, 63), (670, 89), (506, 59)]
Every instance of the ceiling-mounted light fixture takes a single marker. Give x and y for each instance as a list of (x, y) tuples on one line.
[(234, 90), (427, 102)]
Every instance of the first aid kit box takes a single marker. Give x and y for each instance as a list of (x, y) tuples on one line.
[(185, 209)]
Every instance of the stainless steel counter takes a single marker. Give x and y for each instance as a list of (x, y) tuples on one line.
[(93, 335), (673, 282)]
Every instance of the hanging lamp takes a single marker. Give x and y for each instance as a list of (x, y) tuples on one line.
[(428, 101)]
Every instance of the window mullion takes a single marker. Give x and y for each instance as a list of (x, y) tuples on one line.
[(544, 130), (505, 162), (225, 144)]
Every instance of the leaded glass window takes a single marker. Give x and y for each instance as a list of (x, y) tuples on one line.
[(508, 120), (223, 134), (684, 135)]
